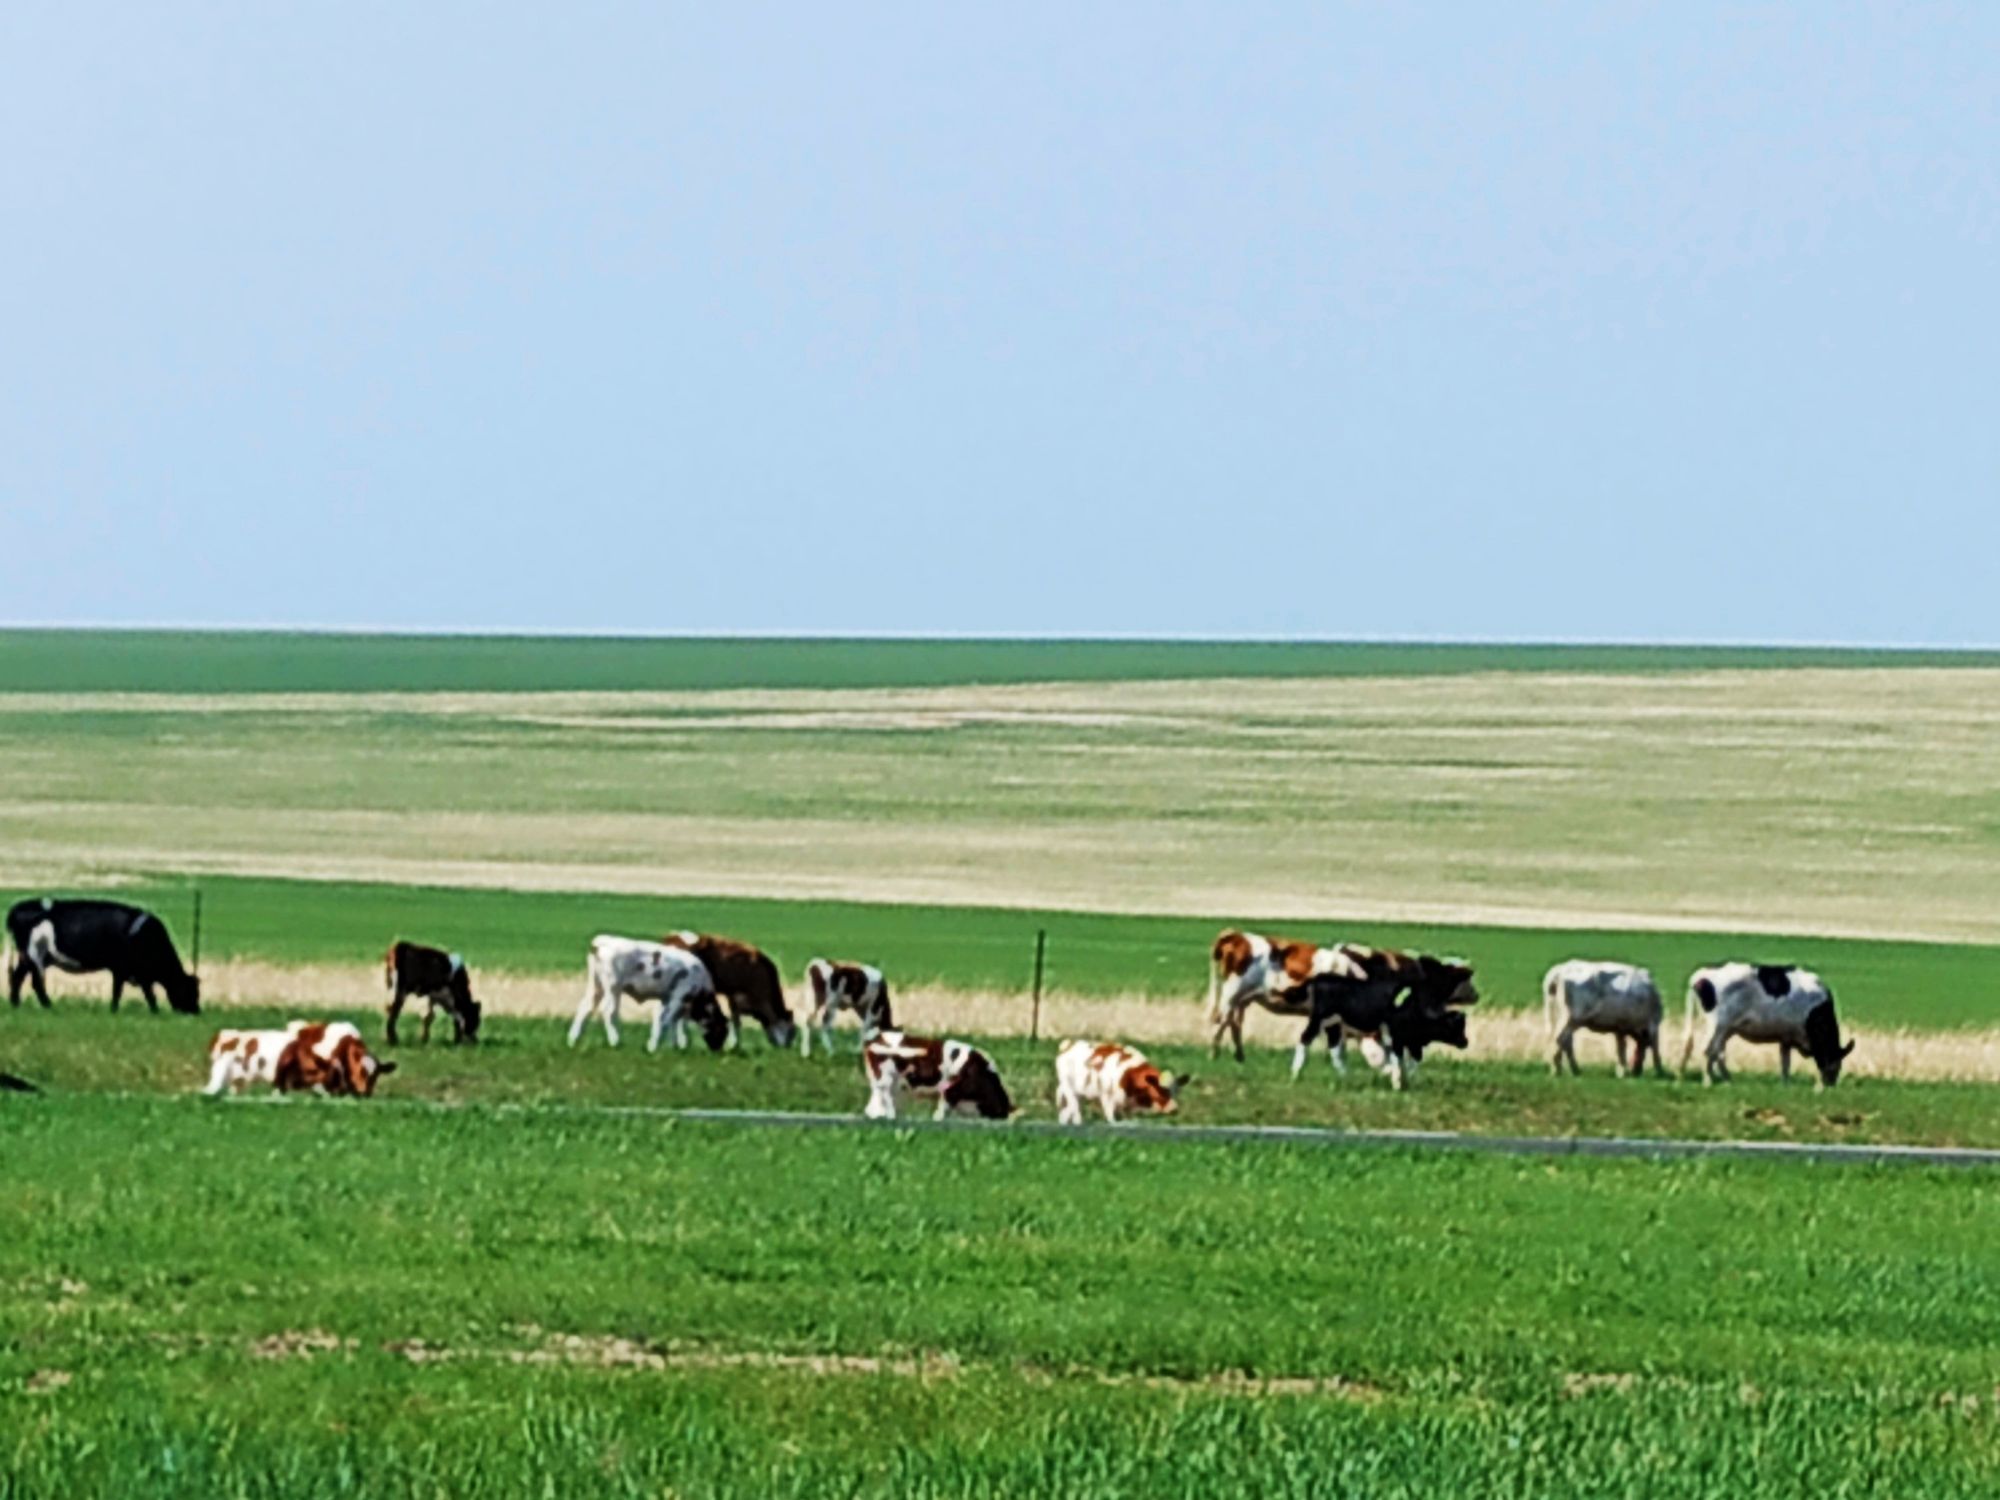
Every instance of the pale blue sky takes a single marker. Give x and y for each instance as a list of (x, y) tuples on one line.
[(1669, 321)]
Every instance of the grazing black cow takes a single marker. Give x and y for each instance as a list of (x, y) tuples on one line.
[(84, 937), (1406, 1002), (440, 978)]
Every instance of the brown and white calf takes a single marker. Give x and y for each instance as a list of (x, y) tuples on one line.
[(1585, 995), (619, 968), (317, 1056), (440, 979), (835, 987), (747, 979), (1115, 1077), (961, 1076), (1247, 968)]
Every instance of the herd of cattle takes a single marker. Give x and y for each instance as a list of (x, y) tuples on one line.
[(1396, 1005)]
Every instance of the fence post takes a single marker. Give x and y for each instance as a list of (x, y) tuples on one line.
[(1041, 949)]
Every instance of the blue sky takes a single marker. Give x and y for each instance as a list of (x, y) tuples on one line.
[(1636, 322)]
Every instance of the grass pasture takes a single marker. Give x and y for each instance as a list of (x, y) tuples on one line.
[(499, 1278), (493, 1303), (526, 1063)]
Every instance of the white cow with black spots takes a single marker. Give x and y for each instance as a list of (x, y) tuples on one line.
[(621, 968)]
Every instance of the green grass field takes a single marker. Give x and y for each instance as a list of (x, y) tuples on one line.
[(78, 1050), (1880, 984), (489, 1282), (167, 661), (328, 1298)]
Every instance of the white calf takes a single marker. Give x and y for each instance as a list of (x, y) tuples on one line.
[(1582, 995), (621, 967)]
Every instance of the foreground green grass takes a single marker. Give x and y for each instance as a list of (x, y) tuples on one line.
[(246, 1298), (527, 1062), (165, 661), (1881, 984)]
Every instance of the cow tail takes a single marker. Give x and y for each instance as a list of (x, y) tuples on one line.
[(1694, 1010), (1549, 986), (1214, 988), (389, 968)]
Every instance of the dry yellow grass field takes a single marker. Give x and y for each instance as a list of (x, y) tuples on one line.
[(1856, 802)]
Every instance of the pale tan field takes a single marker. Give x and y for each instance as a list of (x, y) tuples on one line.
[(1512, 1034), (1858, 802)]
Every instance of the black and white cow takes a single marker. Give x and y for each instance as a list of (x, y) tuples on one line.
[(1765, 1003), (629, 968), (1402, 1002), (87, 937), (441, 980)]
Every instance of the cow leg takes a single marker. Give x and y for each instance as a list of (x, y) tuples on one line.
[(668, 1014), (146, 989), (881, 1098), (396, 1002), (583, 1010), (1069, 1108), (218, 1074), (1659, 1064), (1396, 1069), (608, 1009), (1718, 1070), (430, 1011), (1564, 1039), (1618, 1046), (1110, 1106), (1314, 1025), (1336, 1047)]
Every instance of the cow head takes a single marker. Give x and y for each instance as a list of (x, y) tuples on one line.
[(184, 994), (353, 1069), (1443, 982), (706, 1012), (782, 1032), (1823, 1042), (1415, 1026), (978, 1085), (468, 1016), (1148, 1089)]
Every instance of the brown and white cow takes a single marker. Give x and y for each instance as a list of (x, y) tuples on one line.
[(747, 979), (317, 1056), (1116, 1077), (845, 986), (961, 1076), (1247, 968), (440, 978)]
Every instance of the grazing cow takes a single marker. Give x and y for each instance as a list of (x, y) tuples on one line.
[(1247, 968), (963, 1078), (748, 980), (621, 967), (83, 937), (1766, 1003), (845, 986), (440, 977), (1119, 1078), (1361, 996), (316, 1056), (1583, 995)]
